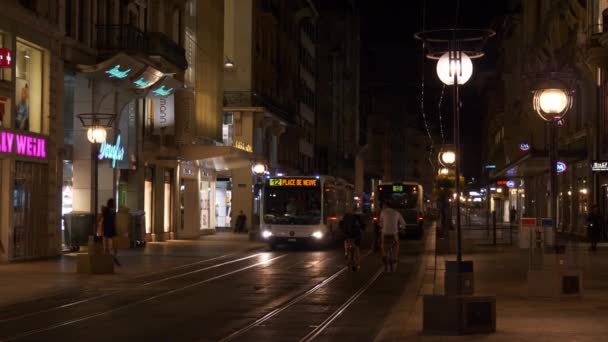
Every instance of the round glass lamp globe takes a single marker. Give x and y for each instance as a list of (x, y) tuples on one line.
[(553, 101), (448, 158), (258, 169), (96, 135), (446, 69)]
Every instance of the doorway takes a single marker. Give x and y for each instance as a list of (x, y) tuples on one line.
[(30, 221)]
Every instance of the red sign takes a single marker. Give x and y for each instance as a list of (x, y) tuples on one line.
[(501, 182), (6, 58), (527, 221)]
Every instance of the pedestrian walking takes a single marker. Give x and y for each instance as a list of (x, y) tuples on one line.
[(108, 217), (239, 225), (594, 227)]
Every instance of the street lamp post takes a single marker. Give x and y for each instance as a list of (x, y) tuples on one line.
[(258, 170), (551, 103), (454, 49), (454, 68), (96, 125), (447, 159)]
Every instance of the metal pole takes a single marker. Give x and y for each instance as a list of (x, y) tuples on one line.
[(96, 172), (456, 108), (553, 174)]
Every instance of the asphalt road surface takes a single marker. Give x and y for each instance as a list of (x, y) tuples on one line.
[(290, 294)]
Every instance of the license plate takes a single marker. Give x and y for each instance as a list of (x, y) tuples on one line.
[(291, 240)]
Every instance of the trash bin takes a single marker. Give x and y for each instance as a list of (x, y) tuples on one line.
[(138, 223), (78, 227)]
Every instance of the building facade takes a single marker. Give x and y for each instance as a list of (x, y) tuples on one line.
[(339, 142), (31, 130), (269, 96), (536, 38)]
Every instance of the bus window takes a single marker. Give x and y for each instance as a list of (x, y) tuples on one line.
[(285, 205), (330, 203)]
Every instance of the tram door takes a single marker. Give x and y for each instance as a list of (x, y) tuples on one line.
[(30, 199)]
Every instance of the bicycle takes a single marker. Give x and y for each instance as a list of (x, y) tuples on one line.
[(351, 262), (390, 261)]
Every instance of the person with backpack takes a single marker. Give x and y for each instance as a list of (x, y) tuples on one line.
[(352, 225)]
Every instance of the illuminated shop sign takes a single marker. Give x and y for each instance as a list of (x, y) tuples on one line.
[(113, 152), (524, 146), (510, 184), (22, 145), (6, 58), (164, 114), (296, 182), (141, 82), (242, 146), (490, 166), (146, 78), (116, 72), (162, 91), (561, 167), (599, 166), (501, 182)]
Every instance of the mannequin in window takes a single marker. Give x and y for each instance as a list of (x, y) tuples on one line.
[(22, 119)]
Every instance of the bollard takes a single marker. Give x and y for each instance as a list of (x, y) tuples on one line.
[(494, 226)]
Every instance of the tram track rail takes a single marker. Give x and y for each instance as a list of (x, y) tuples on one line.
[(137, 302), (293, 300), (115, 292), (318, 330)]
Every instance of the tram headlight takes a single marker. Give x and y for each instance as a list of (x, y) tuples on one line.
[(318, 235), (266, 234)]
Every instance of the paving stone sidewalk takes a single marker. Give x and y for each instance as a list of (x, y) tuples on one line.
[(502, 271)]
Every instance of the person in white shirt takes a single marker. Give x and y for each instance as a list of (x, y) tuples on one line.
[(389, 221)]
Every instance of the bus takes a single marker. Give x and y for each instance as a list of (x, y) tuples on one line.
[(304, 209), (408, 199)]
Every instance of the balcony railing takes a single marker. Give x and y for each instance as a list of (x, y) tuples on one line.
[(251, 99), (120, 38), (161, 45), (132, 40)]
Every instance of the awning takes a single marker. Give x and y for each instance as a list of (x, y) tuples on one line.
[(536, 162), (219, 157), (128, 72)]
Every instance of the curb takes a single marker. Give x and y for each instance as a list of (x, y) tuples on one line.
[(406, 308)]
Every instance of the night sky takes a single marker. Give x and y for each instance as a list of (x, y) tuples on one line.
[(393, 64)]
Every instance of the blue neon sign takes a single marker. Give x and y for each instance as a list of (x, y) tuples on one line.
[(510, 184), (161, 91), (561, 167), (524, 146), (116, 72), (141, 82), (113, 152)]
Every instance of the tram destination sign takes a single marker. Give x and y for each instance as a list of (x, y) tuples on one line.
[(293, 182), (599, 166)]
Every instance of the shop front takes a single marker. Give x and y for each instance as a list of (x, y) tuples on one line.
[(29, 205), (143, 177), (196, 195)]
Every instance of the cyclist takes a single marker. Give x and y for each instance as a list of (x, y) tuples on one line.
[(389, 222), (352, 225)]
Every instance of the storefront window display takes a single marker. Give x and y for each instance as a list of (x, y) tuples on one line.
[(167, 203), (204, 198), (148, 199), (28, 87), (223, 200)]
